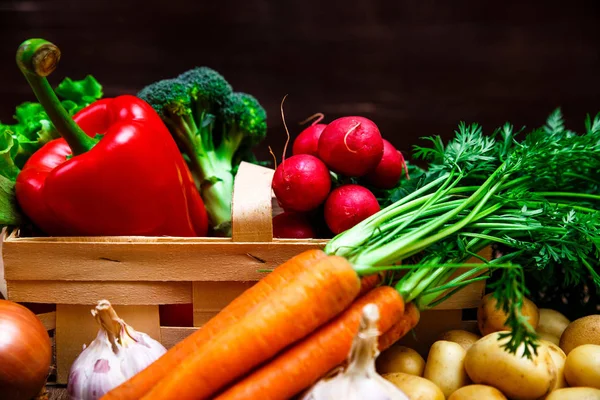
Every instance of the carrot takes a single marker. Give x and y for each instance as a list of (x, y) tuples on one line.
[(291, 313), (407, 322), (281, 276), (369, 282), (308, 360)]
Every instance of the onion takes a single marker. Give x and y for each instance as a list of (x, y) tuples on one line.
[(25, 352)]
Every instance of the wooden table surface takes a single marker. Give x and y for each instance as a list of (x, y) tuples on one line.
[(57, 393)]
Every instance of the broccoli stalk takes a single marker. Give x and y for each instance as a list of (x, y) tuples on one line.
[(212, 126)]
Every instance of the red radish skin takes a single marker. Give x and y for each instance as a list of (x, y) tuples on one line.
[(347, 205), (389, 170), (292, 225), (307, 142), (301, 183), (351, 146)]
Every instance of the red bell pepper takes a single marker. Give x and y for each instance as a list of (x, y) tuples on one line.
[(115, 171)]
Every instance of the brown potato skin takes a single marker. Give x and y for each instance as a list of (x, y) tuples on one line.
[(400, 359), (491, 320), (585, 330), (415, 387), (477, 392), (465, 338), (578, 393)]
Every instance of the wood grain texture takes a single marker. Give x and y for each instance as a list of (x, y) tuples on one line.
[(170, 336), (415, 67), (251, 210), (58, 392), (48, 319), (176, 260), (76, 327), (211, 297), (125, 293)]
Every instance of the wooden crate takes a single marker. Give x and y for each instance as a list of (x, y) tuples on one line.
[(137, 274)]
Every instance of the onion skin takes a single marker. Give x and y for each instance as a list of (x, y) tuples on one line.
[(25, 352)]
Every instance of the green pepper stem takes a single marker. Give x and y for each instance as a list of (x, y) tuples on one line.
[(38, 58)]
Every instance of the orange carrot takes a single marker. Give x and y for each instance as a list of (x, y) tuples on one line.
[(369, 282), (291, 313), (407, 322), (140, 384), (308, 360)]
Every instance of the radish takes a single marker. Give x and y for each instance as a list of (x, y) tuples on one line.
[(292, 225), (347, 205), (307, 142), (387, 173), (301, 183), (351, 146)]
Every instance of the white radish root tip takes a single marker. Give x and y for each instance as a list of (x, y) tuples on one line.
[(346, 137), (316, 121)]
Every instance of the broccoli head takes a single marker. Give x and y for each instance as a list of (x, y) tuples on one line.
[(207, 87), (211, 124), (168, 97), (244, 125)]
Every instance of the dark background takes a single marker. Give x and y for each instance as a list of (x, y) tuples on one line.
[(415, 67)]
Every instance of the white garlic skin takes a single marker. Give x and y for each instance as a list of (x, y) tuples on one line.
[(139, 355), (117, 354), (355, 388), (95, 371)]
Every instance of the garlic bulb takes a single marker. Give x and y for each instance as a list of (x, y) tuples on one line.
[(117, 353), (359, 380)]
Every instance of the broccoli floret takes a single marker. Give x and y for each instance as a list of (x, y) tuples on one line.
[(210, 124), (168, 97), (207, 87), (244, 125)]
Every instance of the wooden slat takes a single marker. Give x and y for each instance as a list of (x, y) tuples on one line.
[(170, 336), (125, 293), (75, 327), (211, 297), (48, 319), (176, 260)]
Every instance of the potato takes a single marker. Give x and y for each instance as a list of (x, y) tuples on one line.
[(559, 358), (490, 320), (549, 338), (464, 338), (515, 375), (415, 387), (400, 359), (578, 393), (584, 330), (552, 322), (582, 367), (477, 392), (446, 366)]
